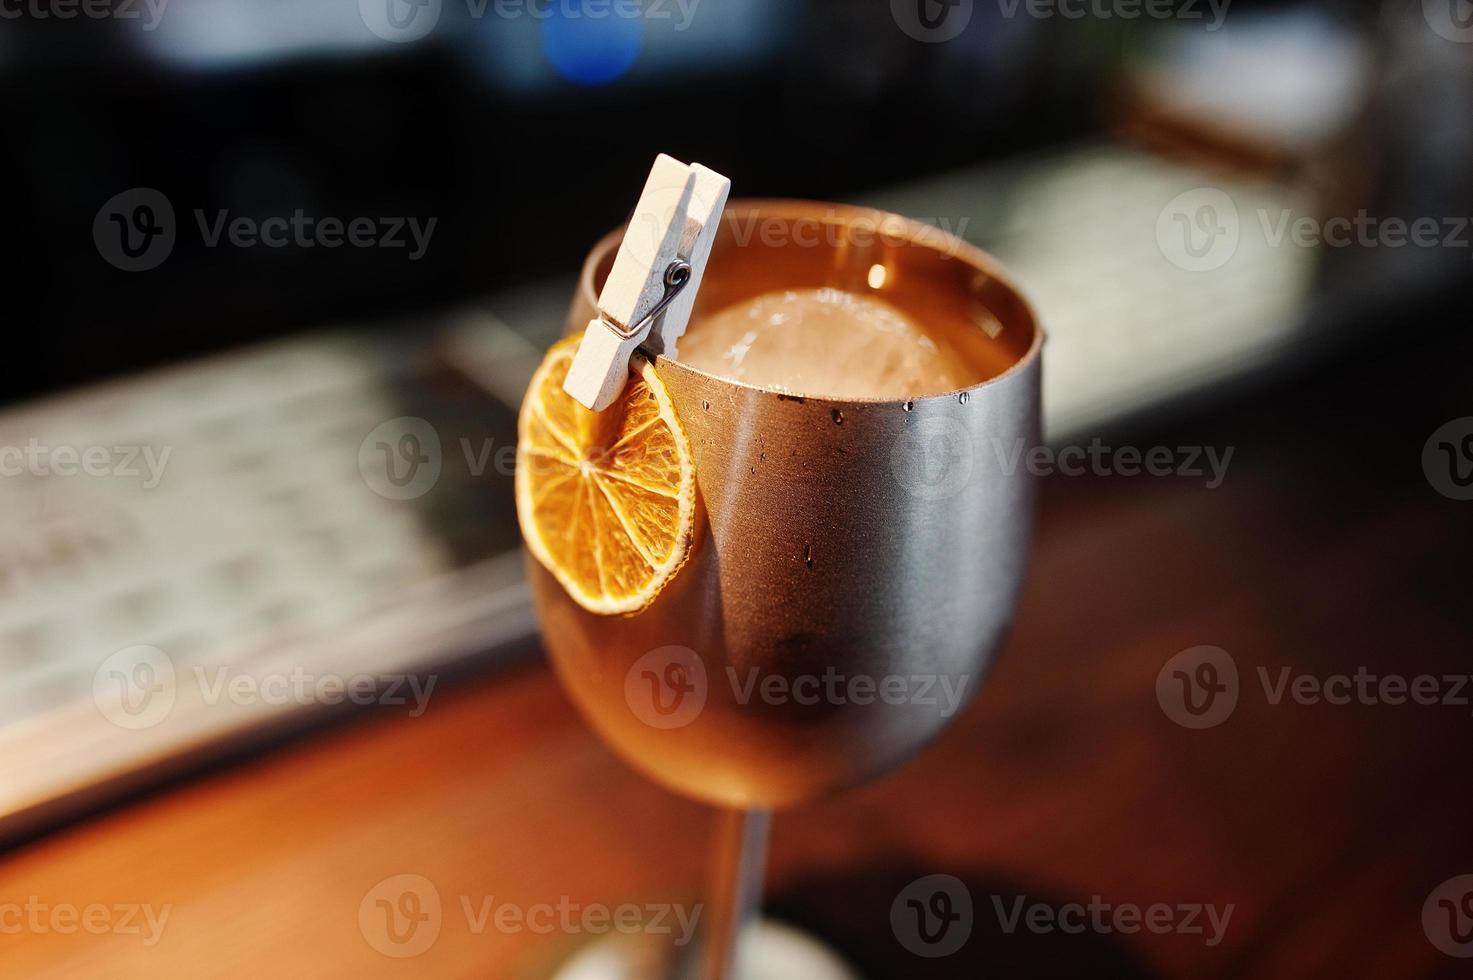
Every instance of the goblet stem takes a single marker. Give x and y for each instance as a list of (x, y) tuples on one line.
[(736, 888)]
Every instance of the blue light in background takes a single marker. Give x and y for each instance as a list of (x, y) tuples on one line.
[(591, 50)]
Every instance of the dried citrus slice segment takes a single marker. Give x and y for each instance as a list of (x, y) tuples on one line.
[(606, 500)]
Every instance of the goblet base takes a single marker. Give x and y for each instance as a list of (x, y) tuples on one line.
[(769, 951)]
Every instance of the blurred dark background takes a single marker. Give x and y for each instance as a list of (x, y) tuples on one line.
[(523, 135)]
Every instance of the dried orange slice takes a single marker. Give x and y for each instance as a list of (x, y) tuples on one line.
[(606, 500)]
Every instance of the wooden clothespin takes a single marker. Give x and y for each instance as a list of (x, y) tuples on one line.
[(651, 289)]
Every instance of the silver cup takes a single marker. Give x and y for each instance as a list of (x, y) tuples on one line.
[(856, 562), (858, 543)]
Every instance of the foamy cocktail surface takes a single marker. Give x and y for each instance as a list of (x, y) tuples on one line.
[(827, 343)]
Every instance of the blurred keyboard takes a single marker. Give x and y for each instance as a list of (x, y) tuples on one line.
[(258, 517), (341, 505)]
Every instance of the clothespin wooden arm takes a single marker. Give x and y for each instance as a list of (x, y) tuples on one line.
[(651, 289)]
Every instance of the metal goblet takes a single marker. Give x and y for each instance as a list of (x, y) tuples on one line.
[(857, 561)]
